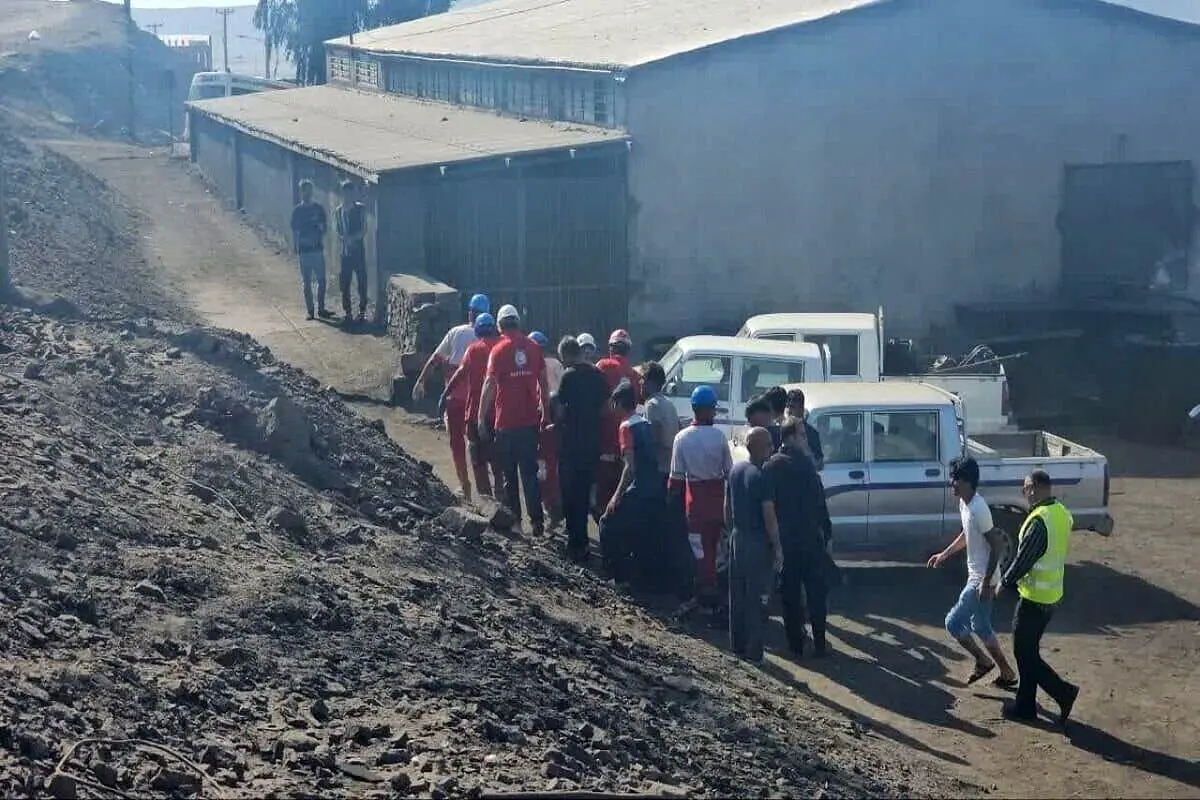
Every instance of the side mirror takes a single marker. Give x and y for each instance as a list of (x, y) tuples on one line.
[(672, 385)]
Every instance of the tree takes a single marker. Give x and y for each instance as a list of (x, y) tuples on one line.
[(301, 27)]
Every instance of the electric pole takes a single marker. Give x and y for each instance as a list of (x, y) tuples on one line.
[(154, 26), (225, 12)]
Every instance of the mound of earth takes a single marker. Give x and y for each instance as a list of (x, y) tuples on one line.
[(217, 580)]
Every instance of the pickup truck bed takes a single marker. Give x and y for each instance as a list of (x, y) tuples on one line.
[(1026, 444)]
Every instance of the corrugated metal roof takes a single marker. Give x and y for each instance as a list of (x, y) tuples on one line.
[(597, 33), (626, 33), (370, 133)]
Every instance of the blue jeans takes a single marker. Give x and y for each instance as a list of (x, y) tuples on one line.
[(971, 615)]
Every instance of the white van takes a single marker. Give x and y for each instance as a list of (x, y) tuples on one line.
[(737, 369), (210, 85)]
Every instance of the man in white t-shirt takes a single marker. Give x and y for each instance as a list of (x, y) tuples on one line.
[(448, 355), (983, 542)]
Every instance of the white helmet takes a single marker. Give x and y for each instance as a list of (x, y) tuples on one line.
[(586, 340), (507, 313)]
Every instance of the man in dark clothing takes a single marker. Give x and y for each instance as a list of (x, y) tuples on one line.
[(578, 407), (1036, 574), (755, 555), (635, 510), (803, 530), (758, 415), (776, 398), (352, 232), (812, 439), (308, 238)]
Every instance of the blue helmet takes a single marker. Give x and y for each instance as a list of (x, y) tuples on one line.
[(704, 397), (480, 304), (485, 323), (540, 338)]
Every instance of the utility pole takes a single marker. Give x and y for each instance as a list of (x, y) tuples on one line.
[(225, 12), (154, 26), (5, 277)]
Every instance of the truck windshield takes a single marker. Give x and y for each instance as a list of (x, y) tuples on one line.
[(670, 359)]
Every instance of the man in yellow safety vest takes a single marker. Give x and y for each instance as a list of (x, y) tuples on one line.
[(1037, 575)]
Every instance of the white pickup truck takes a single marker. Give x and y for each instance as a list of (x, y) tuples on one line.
[(888, 447), (856, 349)]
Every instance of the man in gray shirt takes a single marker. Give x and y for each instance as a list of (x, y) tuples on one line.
[(661, 414)]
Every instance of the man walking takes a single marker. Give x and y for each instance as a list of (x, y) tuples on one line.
[(449, 355), (636, 507), (579, 405), (700, 463), (308, 237), (756, 555), (1037, 575), (667, 542), (471, 373), (352, 233), (516, 386), (616, 368), (983, 542), (803, 529)]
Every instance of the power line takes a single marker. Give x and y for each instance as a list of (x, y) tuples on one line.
[(154, 26), (225, 12)]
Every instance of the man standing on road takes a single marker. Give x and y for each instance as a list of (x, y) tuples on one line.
[(449, 355), (471, 372), (1037, 575), (516, 386), (579, 405), (700, 463), (803, 528), (634, 512), (308, 236), (352, 233), (755, 553), (812, 439), (616, 368), (983, 542)]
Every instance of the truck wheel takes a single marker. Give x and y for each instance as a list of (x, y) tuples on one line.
[(1009, 524)]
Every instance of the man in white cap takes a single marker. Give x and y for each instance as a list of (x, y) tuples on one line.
[(587, 346), (516, 386)]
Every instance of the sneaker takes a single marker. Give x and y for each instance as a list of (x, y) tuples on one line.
[(538, 529), (324, 313), (310, 316), (1010, 711), (1064, 708)]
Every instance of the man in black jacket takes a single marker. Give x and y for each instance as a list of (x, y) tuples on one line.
[(578, 405), (804, 530)]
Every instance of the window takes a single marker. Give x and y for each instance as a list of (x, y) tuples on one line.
[(339, 68), (841, 436), (600, 102), (777, 337), (238, 91), (760, 374), (698, 371), (843, 351), (905, 436)]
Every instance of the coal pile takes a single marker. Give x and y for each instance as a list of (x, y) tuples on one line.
[(217, 580)]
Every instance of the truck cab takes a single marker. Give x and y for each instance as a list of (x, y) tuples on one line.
[(888, 448), (737, 370)]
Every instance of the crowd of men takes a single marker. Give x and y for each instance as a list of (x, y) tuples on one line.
[(562, 432), (310, 224)]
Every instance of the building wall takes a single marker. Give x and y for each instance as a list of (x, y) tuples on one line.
[(908, 155), (212, 150), (267, 186)]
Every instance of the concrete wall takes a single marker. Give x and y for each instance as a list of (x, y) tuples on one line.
[(212, 150), (908, 155), (268, 189)]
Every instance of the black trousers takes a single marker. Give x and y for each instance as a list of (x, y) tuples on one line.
[(353, 267), (804, 578), (517, 454), (1029, 623), (312, 270), (576, 476)]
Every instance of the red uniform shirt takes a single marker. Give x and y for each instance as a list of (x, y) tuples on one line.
[(472, 371), (515, 365), (615, 369)]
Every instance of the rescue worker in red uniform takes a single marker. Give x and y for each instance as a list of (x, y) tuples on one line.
[(469, 379), (449, 355), (615, 367), (700, 464)]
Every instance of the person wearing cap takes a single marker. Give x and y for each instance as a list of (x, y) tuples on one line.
[(587, 346), (467, 380), (700, 463), (616, 368), (578, 410), (548, 444), (448, 356), (516, 389)]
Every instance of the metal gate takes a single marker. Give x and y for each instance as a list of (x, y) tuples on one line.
[(549, 238)]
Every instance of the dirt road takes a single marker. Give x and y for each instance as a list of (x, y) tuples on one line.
[(1129, 632)]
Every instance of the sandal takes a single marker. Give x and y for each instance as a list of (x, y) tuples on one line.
[(980, 671), (1008, 684)]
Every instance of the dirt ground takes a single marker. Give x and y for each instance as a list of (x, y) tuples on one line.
[(1129, 632)]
